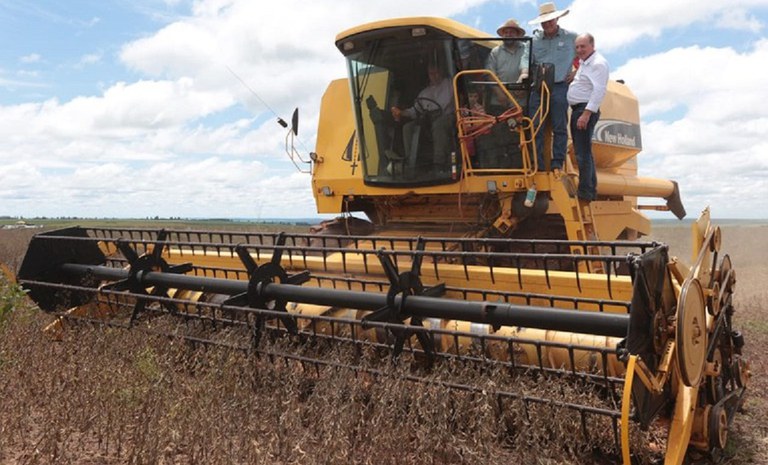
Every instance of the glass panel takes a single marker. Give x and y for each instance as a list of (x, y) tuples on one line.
[(405, 110), (404, 101), (496, 88)]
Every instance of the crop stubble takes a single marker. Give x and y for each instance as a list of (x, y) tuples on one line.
[(114, 397)]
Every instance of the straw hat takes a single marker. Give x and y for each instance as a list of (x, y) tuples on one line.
[(511, 24), (547, 12)]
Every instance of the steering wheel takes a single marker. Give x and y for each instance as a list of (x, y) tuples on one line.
[(419, 104)]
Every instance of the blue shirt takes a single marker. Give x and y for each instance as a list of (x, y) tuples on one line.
[(558, 50)]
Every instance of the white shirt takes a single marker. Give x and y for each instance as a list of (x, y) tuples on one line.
[(442, 93), (590, 82)]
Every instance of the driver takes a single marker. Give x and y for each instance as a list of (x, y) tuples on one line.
[(435, 100)]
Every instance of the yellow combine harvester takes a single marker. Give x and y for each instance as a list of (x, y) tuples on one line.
[(473, 251)]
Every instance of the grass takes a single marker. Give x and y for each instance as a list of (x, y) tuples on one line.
[(117, 397), (757, 327), (11, 297)]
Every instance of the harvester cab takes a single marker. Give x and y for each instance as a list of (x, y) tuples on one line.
[(454, 269), (456, 151)]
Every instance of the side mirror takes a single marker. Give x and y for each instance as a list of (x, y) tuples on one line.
[(290, 148), (295, 122)]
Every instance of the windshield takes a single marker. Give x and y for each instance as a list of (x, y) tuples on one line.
[(404, 100)]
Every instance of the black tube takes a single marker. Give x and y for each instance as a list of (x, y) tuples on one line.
[(104, 273), (476, 311)]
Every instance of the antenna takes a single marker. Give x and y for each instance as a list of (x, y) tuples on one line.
[(293, 132), (280, 120)]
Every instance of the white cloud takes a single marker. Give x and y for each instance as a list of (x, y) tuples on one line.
[(204, 188), (718, 143), (146, 120), (31, 58), (621, 22), (292, 65), (738, 18), (15, 84), (164, 144), (142, 141), (717, 83), (26, 74), (89, 59), (125, 109), (134, 151)]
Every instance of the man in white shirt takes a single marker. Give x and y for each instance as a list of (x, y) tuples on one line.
[(436, 101), (585, 94)]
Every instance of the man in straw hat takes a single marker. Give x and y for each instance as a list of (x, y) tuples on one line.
[(555, 45), (509, 62)]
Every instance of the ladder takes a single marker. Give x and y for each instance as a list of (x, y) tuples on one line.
[(579, 220)]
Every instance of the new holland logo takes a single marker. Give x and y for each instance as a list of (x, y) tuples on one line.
[(618, 133)]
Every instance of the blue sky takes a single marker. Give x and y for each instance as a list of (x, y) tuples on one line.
[(127, 109)]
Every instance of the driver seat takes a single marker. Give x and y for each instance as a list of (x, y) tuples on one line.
[(395, 162)]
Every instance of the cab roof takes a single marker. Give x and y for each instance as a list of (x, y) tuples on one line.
[(446, 25)]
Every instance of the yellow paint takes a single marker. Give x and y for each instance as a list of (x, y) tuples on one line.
[(626, 404), (447, 25), (682, 425)]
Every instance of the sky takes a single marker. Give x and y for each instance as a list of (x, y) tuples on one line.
[(143, 108)]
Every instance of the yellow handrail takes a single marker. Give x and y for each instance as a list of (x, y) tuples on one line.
[(471, 124)]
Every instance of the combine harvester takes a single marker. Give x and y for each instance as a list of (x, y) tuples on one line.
[(473, 257)]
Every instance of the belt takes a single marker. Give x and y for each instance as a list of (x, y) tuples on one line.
[(578, 105)]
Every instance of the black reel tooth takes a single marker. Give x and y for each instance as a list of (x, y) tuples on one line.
[(148, 262), (405, 284), (246, 259), (159, 245), (277, 253), (259, 276), (128, 252)]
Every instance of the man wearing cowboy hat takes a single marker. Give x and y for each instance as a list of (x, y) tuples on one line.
[(553, 44)]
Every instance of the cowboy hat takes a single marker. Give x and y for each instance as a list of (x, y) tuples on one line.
[(511, 24), (547, 12)]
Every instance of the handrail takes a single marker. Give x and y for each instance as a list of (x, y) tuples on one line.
[(472, 124)]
